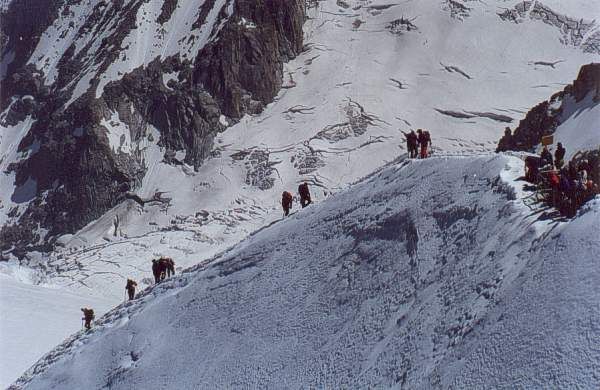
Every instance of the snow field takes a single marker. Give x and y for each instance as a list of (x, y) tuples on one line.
[(421, 276)]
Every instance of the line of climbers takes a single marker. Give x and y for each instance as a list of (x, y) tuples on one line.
[(565, 187), (421, 139), (287, 199), (162, 268)]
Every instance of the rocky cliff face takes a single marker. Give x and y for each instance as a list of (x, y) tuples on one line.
[(105, 74), (547, 116)]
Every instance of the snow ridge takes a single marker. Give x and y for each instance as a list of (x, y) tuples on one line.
[(427, 274)]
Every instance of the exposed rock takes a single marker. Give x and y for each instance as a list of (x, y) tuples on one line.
[(306, 161), (573, 31), (260, 169), (249, 61), (167, 11), (78, 174), (402, 25), (544, 118), (457, 9)]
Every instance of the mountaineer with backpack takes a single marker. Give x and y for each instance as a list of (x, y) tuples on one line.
[(156, 270), (170, 264), (286, 202), (425, 141), (162, 267), (411, 144), (88, 316), (304, 195), (130, 287)]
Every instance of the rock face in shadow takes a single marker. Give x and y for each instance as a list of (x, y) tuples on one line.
[(79, 172), (544, 118)]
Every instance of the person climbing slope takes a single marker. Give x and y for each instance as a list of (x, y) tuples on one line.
[(130, 287), (304, 195), (286, 202), (424, 139), (170, 264), (156, 271), (88, 317), (163, 266)]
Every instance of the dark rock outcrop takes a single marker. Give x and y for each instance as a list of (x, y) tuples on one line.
[(77, 176), (21, 27), (544, 118), (243, 69)]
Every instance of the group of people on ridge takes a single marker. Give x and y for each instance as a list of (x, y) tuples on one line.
[(570, 185), (161, 268), (287, 198), (421, 139)]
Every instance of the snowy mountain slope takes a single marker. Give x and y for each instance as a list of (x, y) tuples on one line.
[(35, 319), (98, 74), (428, 274), (367, 70), (415, 64), (335, 142)]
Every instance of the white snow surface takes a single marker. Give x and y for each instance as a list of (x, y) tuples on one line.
[(119, 136), (35, 318), (313, 132), (580, 126), (428, 274)]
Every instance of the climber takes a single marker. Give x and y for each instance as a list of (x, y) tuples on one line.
[(88, 316), (286, 202), (170, 267), (532, 168), (304, 195), (156, 270), (163, 267), (425, 141), (546, 157), (559, 156), (568, 194), (572, 171), (506, 142), (582, 182), (554, 181), (130, 287), (411, 144)]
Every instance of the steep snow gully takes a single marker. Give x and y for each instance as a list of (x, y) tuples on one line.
[(427, 274)]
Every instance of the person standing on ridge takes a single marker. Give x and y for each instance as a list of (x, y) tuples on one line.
[(425, 141), (170, 267), (88, 316), (130, 287), (559, 156), (506, 142), (411, 144), (304, 195), (546, 157), (286, 203)]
